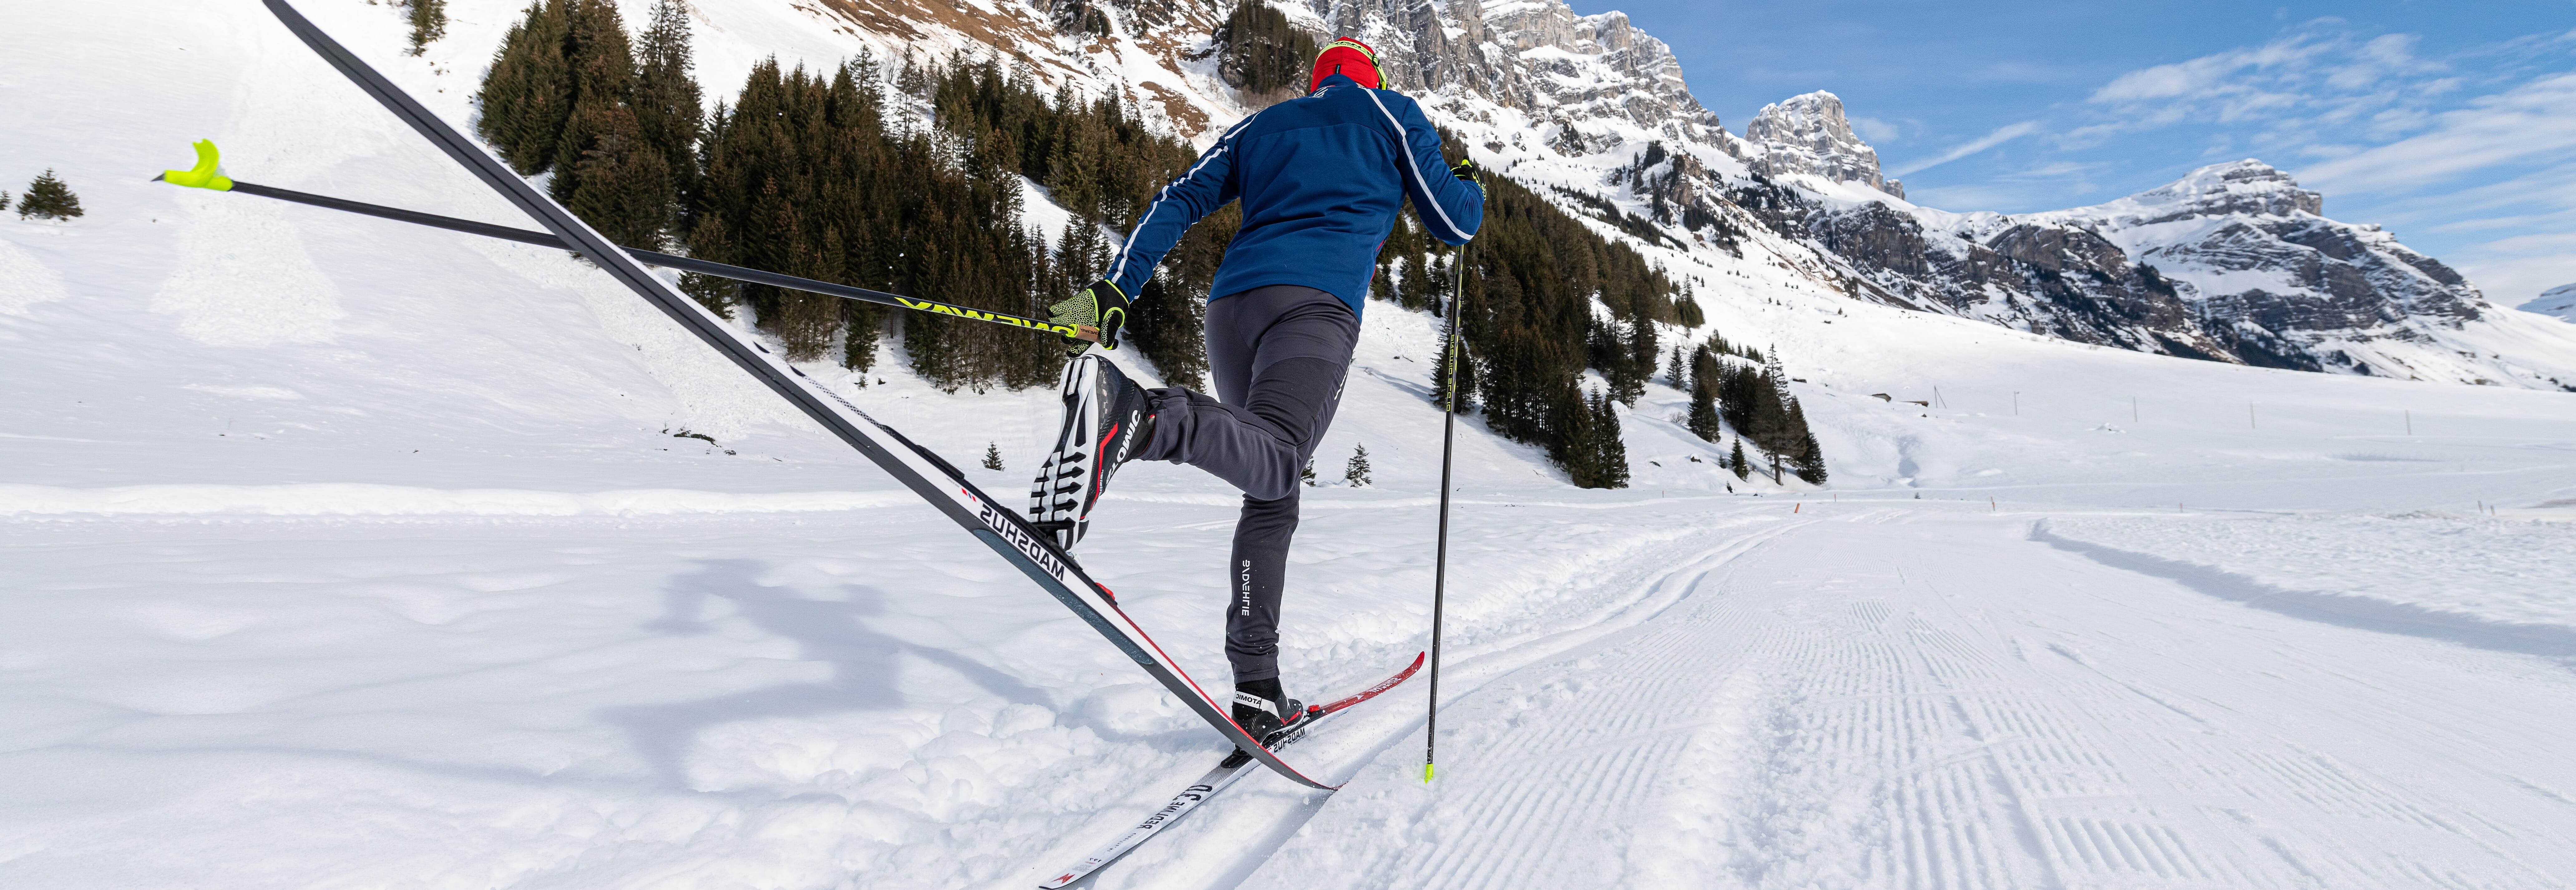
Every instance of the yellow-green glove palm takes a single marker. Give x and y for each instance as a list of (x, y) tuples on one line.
[(1101, 306), (1466, 169)]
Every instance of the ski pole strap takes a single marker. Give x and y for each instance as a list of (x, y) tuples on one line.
[(647, 257)]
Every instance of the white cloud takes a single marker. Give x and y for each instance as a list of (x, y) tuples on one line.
[(2001, 135), (2535, 121), (1873, 129), (2318, 78), (2511, 271), (1966, 198), (2208, 76)]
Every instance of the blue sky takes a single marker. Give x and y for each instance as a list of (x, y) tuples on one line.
[(2452, 124)]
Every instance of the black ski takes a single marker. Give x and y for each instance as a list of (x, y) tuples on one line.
[(937, 482)]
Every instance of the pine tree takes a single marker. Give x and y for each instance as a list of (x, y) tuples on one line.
[(1686, 311), (1308, 476), (1265, 56), (620, 184), (428, 23), (527, 93), (1703, 418), (1736, 462), (603, 89), (1610, 454), (992, 456), (1357, 471), (668, 102), (1811, 458), (1779, 379), (48, 198)]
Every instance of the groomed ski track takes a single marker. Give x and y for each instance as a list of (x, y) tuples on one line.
[(1900, 697)]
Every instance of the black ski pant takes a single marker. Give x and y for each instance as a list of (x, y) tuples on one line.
[(1277, 355)]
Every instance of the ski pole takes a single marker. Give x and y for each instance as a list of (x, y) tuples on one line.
[(204, 176), (1449, 358)]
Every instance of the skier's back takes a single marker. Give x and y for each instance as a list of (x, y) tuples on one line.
[(1321, 179)]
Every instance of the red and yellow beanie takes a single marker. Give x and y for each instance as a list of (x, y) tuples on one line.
[(1348, 58)]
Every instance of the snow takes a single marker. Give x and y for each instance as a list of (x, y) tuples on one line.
[(2557, 302), (343, 553)]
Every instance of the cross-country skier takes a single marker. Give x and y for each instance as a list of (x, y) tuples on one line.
[(1321, 179)]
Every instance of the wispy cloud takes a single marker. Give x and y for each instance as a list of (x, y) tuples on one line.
[(1875, 130), (2534, 121), (2001, 135), (2320, 77)]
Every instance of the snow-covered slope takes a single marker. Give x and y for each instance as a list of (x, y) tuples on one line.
[(338, 552), (2558, 302)]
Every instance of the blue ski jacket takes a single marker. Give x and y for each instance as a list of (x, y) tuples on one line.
[(1321, 179)]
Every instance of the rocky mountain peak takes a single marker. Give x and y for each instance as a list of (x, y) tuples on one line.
[(2248, 186), (1595, 69), (1808, 134)]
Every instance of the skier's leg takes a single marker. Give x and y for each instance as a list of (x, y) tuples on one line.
[(1278, 354), (1260, 575)]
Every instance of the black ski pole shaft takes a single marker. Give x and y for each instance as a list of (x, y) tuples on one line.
[(1440, 563), (656, 258)]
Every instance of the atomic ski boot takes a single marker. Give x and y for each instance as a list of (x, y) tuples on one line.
[(1107, 420), (1265, 711)]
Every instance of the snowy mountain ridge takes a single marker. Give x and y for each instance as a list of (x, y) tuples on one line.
[(2556, 302)]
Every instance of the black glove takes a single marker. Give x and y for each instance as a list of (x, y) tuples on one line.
[(1102, 306)]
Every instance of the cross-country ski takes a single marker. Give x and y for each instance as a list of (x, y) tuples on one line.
[(1089, 444), (1216, 780)]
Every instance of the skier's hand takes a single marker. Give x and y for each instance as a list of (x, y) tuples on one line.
[(1101, 306), (1466, 169)]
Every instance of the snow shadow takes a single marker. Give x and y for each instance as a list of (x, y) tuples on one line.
[(2358, 613), (833, 631)]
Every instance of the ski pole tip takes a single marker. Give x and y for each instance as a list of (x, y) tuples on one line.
[(1426, 774), (203, 175)]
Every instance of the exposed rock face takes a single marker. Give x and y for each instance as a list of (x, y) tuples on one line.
[(1582, 76), (1808, 134), (2231, 262)]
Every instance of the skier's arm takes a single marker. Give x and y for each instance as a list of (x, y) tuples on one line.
[(1452, 208), (1208, 185)]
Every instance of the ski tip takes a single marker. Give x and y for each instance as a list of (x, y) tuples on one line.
[(203, 175)]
